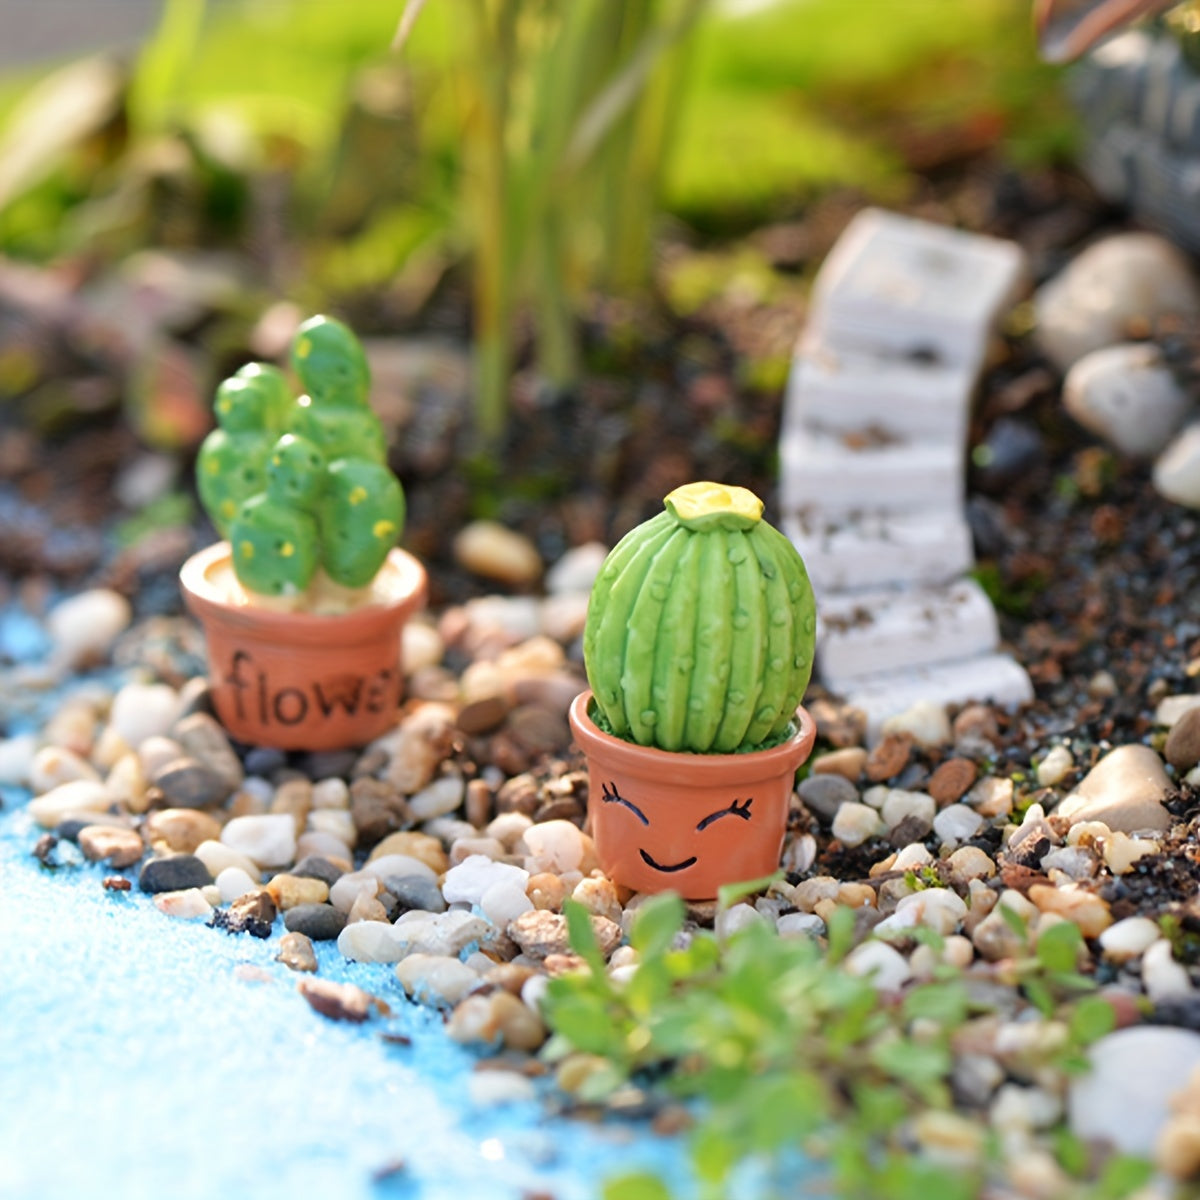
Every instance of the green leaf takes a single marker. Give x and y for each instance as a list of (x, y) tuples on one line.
[(728, 894), (1058, 947), (840, 928), (656, 924), (1013, 920), (945, 1003), (1091, 1018), (1040, 996), (637, 1185), (582, 936), (912, 1062), (1123, 1175)]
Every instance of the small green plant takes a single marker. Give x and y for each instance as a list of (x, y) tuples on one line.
[(300, 484), (786, 1052), (701, 626)]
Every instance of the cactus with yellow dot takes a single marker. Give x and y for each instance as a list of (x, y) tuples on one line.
[(701, 627), (299, 484)]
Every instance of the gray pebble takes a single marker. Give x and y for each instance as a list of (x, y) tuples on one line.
[(823, 795), (187, 783), (264, 760), (315, 866), (207, 742), (321, 764), (320, 922), (411, 891), (174, 874)]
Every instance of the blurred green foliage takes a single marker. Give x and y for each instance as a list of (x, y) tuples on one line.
[(541, 142)]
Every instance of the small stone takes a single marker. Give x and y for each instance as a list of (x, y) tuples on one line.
[(115, 883), (377, 809), (538, 730), (331, 793), (1182, 750), (546, 891), (849, 763), (1176, 473), (478, 804), (1127, 395), (336, 824), (437, 799), (957, 823), (416, 893), (321, 922), (84, 627), (823, 795), (187, 783), (439, 933), (180, 829), (555, 846), (1125, 1097), (472, 879), (855, 823), (483, 715), (410, 844), (339, 1001), (976, 723), (1124, 790), (268, 839), (234, 882), (79, 798), (926, 722), (577, 569), (1163, 978), (1121, 852), (889, 757), (952, 780), (799, 924), (1177, 1150), (143, 710), (289, 891), (253, 912), (599, 896), (313, 843), (1088, 911), (314, 866), (296, 952), (118, 847), (421, 646), (203, 738), (369, 941), (16, 760), (499, 1017), (186, 904), (1129, 939), (436, 979), (53, 766), (540, 934), (841, 725), (1055, 767), (216, 856), (884, 965), (421, 744), (489, 549), (173, 874), (294, 797), (901, 806), (992, 797), (367, 908)]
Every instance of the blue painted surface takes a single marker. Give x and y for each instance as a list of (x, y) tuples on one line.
[(137, 1061)]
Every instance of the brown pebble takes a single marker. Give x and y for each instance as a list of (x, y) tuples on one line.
[(672, 1119), (951, 780), (1182, 750), (483, 715), (546, 891), (518, 794), (510, 976), (538, 730), (505, 752), (296, 952), (976, 721), (540, 934), (478, 805), (115, 883), (847, 762), (378, 809), (339, 1001), (889, 757), (104, 843), (565, 808), (839, 724), (181, 829), (288, 891), (294, 796)]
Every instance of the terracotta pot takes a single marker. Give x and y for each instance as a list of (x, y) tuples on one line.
[(302, 681), (685, 822)]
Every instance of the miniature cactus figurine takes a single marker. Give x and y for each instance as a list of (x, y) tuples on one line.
[(698, 645), (320, 495), (701, 627)]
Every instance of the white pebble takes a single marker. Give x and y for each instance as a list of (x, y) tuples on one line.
[(438, 799), (369, 941), (233, 882), (218, 857), (155, 752), (1055, 767), (421, 646), (436, 978), (901, 805), (53, 765), (398, 866), (470, 880), (913, 855), (475, 847), (800, 924), (16, 759), (1162, 977), (84, 627), (503, 902), (886, 967), (508, 828), (936, 908), (1176, 473), (554, 846), (490, 1089), (79, 797), (926, 720), (854, 823), (331, 793), (533, 991), (187, 904), (348, 887), (734, 919), (324, 845), (1171, 708), (957, 823), (576, 571), (439, 933), (337, 823), (268, 839), (1129, 938), (564, 616), (143, 710)]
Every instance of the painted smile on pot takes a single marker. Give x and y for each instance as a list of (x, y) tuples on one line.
[(738, 808)]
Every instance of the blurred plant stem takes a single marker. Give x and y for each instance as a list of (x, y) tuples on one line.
[(566, 112)]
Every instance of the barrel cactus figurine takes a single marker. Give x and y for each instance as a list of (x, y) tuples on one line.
[(701, 627), (698, 646), (300, 485)]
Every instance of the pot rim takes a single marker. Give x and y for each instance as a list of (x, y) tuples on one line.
[(686, 766), (202, 596)]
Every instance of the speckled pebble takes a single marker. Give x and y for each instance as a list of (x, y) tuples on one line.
[(118, 847), (296, 952)]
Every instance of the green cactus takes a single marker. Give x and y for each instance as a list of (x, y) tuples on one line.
[(701, 627), (360, 515), (321, 495)]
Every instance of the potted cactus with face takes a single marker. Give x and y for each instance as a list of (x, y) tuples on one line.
[(698, 647), (304, 601)]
